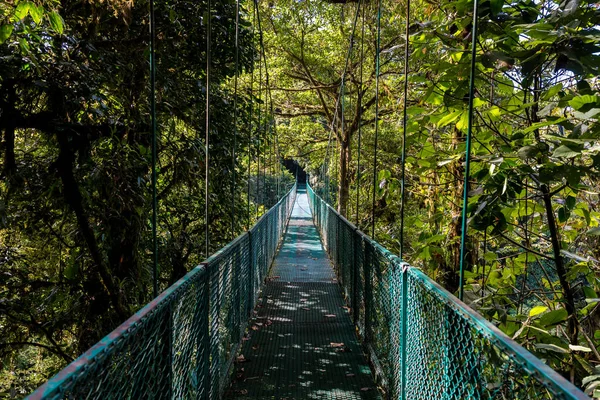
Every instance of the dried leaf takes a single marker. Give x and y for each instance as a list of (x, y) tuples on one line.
[(240, 359), (335, 345), (330, 315), (365, 389), (350, 375)]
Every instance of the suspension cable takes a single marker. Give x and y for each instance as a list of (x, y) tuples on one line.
[(251, 121), (359, 110), (258, 127), (376, 114), (404, 125), (206, 133), (268, 93), (463, 232), (153, 123), (235, 113)]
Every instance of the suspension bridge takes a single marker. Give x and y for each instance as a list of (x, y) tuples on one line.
[(310, 309), (304, 305)]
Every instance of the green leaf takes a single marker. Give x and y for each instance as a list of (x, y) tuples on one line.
[(449, 118), (56, 22), (554, 317), (551, 347), (5, 32), (36, 13), (23, 9), (594, 231), (542, 124), (552, 91), (537, 310), (580, 102), (566, 152)]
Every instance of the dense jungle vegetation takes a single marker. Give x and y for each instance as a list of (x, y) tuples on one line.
[(75, 169), (75, 196), (533, 206)]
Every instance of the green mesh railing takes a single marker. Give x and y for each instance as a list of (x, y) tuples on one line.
[(422, 342), (181, 345)]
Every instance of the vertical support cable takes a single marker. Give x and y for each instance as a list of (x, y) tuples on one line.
[(251, 119), (235, 113), (359, 107), (376, 115), (463, 232), (153, 122), (206, 138), (404, 125), (258, 125)]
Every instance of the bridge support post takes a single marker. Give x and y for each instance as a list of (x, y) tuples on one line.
[(203, 340), (404, 330), (251, 276), (356, 269), (367, 267)]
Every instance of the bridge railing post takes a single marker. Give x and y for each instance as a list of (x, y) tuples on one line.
[(203, 354)]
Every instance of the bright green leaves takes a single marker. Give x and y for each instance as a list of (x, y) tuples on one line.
[(56, 22), (5, 32), (30, 11), (537, 310)]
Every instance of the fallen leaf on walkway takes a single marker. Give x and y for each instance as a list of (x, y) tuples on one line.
[(255, 328), (344, 349), (350, 375), (280, 335), (241, 359), (306, 308), (303, 300), (335, 345), (365, 389), (330, 315), (251, 378), (347, 308), (269, 322)]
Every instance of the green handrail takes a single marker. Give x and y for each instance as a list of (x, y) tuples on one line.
[(182, 344), (423, 342)]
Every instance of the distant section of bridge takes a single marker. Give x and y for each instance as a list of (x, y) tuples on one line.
[(262, 321), (301, 342)]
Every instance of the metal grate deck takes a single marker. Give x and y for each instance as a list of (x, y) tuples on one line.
[(301, 343)]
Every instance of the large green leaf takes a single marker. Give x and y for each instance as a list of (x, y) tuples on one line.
[(5, 32), (553, 317), (56, 22)]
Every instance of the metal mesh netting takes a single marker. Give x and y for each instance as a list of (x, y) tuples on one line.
[(422, 342), (183, 343)]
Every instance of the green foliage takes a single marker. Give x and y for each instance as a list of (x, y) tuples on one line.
[(533, 192), (75, 198)]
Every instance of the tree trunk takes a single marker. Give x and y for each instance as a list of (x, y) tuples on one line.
[(344, 186)]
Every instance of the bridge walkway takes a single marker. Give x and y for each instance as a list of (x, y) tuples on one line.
[(301, 343)]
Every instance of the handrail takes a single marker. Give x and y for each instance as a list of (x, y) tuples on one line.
[(423, 342), (183, 343)]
